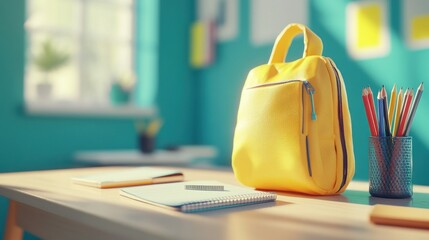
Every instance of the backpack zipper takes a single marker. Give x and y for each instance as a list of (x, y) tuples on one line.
[(307, 148), (275, 83), (308, 87), (341, 123), (310, 91)]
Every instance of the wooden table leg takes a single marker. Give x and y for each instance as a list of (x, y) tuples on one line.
[(13, 231)]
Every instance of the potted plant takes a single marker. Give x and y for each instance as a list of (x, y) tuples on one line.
[(49, 59), (121, 88)]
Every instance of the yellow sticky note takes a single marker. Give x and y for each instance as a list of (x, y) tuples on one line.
[(197, 44), (202, 43), (420, 27), (369, 26)]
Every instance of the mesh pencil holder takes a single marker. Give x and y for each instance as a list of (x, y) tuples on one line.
[(390, 167)]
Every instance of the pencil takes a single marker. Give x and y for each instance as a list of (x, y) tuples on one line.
[(392, 106), (371, 101), (385, 112), (153, 127), (405, 113), (413, 109), (404, 98), (398, 112), (381, 122), (369, 116), (373, 113)]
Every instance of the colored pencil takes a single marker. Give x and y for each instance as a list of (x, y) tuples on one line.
[(392, 106), (369, 115), (404, 98), (371, 101), (381, 122), (413, 109), (397, 112), (404, 117), (383, 95), (153, 127)]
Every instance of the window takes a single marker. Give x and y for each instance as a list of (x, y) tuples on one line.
[(80, 53)]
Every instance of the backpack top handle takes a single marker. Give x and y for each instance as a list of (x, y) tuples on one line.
[(312, 43)]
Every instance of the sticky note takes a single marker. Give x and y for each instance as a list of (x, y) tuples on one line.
[(202, 43), (197, 44), (415, 22), (367, 30), (420, 27), (369, 26)]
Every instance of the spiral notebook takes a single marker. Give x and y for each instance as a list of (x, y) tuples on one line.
[(175, 196)]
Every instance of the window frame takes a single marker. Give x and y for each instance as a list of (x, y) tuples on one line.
[(79, 107)]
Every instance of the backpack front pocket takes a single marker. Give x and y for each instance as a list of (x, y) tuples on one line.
[(272, 144)]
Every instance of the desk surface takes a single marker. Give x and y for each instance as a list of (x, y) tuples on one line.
[(47, 194)]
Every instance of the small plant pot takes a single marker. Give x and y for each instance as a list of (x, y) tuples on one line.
[(118, 95), (44, 90)]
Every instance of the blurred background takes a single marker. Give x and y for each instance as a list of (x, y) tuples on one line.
[(76, 75)]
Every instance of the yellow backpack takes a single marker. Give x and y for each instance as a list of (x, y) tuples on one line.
[(293, 129)]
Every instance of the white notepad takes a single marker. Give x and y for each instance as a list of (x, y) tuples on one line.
[(176, 196), (130, 177)]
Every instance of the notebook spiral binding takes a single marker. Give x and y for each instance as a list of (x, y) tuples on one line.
[(205, 187), (227, 202)]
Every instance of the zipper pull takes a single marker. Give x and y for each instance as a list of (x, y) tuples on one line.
[(310, 91)]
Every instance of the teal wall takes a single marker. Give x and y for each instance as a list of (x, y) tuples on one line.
[(33, 143), (220, 84), (198, 106), (177, 89)]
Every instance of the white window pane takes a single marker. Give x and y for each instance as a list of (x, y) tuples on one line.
[(58, 15), (104, 62), (52, 63), (107, 20), (125, 2), (100, 18), (125, 23), (96, 35), (122, 59), (97, 71)]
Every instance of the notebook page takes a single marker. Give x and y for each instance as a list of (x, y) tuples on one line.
[(140, 173), (175, 194)]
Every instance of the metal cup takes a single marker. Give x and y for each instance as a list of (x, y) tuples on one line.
[(390, 167)]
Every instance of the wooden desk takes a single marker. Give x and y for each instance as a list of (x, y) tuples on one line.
[(49, 205)]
